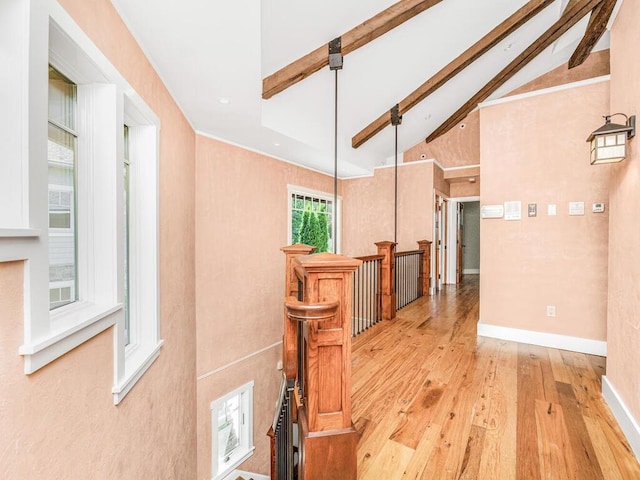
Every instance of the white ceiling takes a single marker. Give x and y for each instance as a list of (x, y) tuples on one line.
[(207, 50)]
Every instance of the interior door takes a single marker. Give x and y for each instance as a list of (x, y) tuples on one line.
[(459, 243), (440, 241), (437, 223), (445, 241)]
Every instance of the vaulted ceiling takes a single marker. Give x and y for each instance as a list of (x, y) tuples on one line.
[(438, 63)]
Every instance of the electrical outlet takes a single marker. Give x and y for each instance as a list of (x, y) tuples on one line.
[(551, 310)]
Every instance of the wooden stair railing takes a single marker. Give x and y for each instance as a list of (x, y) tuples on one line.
[(425, 271), (290, 338), (388, 288), (328, 439), (316, 351)]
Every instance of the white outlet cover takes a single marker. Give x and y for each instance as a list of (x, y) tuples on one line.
[(551, 210)]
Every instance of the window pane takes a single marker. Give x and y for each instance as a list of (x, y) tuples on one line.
[(311, 221), (61, 153), (228, 429), (59, 219), (62, 100), (127, 230)]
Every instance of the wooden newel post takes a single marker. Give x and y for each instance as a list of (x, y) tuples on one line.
[(425, 272), (292, 252), (387, 280), (328, 439), (290, 337)]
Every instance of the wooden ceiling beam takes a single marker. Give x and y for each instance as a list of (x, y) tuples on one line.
[(595, 29), (508, 26), (376, 26), (569, 18)]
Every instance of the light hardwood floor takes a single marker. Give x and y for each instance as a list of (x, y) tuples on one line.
[(433, 401)]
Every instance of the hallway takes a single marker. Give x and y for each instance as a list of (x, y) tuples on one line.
[(430, 403)]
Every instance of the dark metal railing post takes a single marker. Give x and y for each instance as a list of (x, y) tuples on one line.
[(283, 432), (409, 276), (366, 294)]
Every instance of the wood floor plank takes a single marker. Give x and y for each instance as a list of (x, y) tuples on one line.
[(433, 401), (584, 455), (499, 457), (372, 443), (527, 463), (607, 461), (391, 462), (415, 468), (490, 347), (622, 453), (554, 452), (542, 373), (559, 369), (469, 470)]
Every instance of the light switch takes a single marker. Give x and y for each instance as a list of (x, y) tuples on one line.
[(598, 207), (551, 209), (576, 208), (533, 209)]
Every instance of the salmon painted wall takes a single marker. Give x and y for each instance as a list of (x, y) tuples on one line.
[(596, 65), (464, 189), (623, 332), (242, 222), (60, 422), (458, 147), (533, 150), (368, 208)]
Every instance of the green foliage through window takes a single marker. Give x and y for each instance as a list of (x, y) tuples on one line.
[(312, 221)]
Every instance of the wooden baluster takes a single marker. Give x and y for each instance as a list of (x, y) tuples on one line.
[(387, 280), (425, 274)]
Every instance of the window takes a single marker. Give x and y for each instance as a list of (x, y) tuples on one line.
[(61, 157), (311, 218), (84, 221), (138, 342), (232, 430), (127, 237)]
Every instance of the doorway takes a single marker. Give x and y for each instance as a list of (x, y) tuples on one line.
[(440, 240), (464, 217)]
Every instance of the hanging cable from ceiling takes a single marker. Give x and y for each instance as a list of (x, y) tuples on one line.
[(335, 64), (396, 119)]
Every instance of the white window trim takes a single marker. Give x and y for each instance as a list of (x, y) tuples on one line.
[(294, 189), (134, 359), (24, 226), (246, 394)]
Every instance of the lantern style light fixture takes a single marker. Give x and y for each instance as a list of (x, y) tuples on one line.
[(609, 142)]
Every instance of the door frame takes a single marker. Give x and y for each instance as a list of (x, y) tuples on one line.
[(452, 212)]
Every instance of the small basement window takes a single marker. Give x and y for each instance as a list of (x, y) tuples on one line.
[(232, 430)]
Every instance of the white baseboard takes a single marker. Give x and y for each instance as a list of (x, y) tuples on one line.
[(470, 271), (621, 413), (553, 340), (247, 475)]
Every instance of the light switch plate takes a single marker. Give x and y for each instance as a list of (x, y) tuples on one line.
[(576, 208), (551, 210), (598, 207)]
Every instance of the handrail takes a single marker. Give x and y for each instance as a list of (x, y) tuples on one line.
[(409, 252), (303, 312), (370, 258)]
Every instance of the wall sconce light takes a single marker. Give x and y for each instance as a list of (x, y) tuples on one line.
[(609, 142)]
